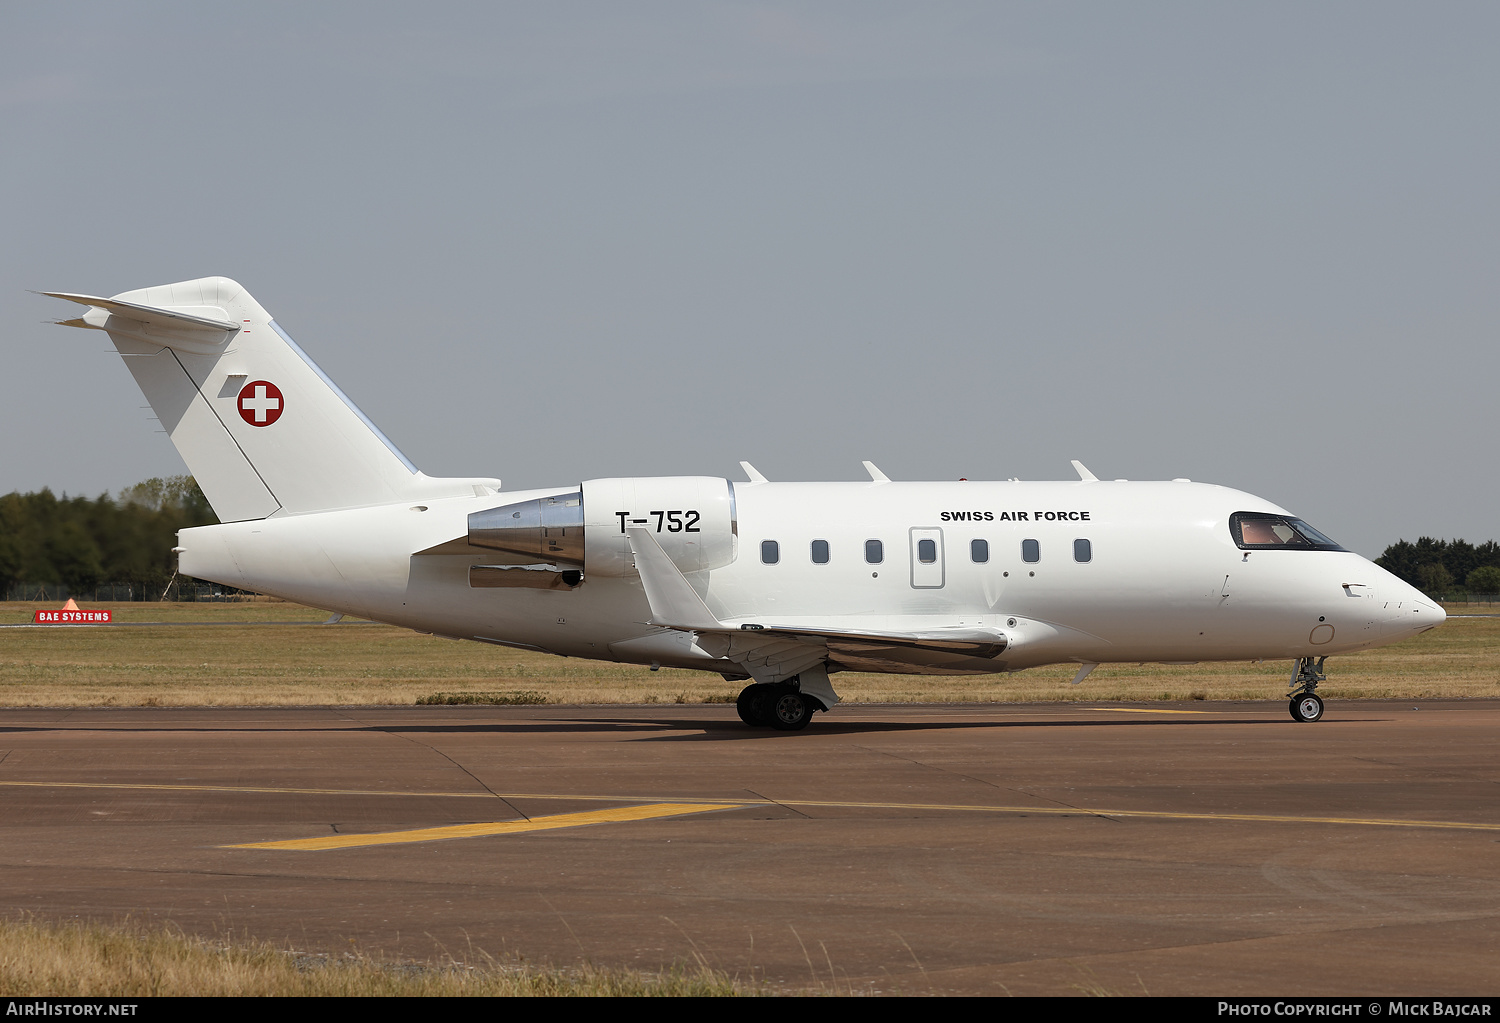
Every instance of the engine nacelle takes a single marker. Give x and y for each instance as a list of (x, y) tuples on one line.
[(547, 528), (692, 517)]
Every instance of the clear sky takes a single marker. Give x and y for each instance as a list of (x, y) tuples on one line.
[(1250, 244)]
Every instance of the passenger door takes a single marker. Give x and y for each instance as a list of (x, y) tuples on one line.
[(926, 558)]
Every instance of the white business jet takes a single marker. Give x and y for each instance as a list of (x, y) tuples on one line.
[(775, 584)]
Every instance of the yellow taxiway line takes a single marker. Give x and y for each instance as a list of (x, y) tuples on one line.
[(1143, 710), (561, 820), (695, 804)]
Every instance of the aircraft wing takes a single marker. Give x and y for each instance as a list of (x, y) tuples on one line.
[(786, 649)]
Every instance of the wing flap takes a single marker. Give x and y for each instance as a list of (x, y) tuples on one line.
[(975, 642), (773, 652)]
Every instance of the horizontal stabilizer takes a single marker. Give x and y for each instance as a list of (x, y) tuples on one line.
[(201, 330)]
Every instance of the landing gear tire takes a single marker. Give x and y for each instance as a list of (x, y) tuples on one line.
[(752, 705), (1306, 707), (790, 710)]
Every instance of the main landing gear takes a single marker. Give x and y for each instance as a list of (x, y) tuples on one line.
[(1306, 704), (781, 705)]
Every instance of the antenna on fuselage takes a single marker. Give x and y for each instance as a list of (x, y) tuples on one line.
[(1083, 472), (753, 473), (876, 476)]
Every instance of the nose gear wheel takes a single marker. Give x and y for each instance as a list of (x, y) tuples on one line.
[(1306, 707), (1306, 704)]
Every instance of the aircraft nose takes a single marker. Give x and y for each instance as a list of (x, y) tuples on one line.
[(1410, 612), (1429, 615)]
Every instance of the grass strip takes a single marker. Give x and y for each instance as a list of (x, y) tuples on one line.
[(322, 664), (517, 697), (70, 960)]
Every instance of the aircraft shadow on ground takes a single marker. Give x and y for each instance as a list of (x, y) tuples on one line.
[(684, 729), (722, 730)]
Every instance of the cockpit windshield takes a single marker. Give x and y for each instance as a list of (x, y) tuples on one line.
[(1260, 531)]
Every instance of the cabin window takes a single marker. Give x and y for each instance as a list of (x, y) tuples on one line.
[(1083, 551), (927, 551), (770, 552), (874, 552), (1262, 531), (820, 552), (979, 551), (1031, 551)]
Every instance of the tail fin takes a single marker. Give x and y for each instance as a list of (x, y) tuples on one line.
[(262, 428)]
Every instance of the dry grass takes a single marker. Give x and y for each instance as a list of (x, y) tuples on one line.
[(85, 959), (312, 664), (514, 698)]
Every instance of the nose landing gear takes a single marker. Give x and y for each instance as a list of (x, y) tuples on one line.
[(1306, 704), (1307, 707)]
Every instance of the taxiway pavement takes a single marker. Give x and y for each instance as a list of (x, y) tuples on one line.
[(1170, 849)]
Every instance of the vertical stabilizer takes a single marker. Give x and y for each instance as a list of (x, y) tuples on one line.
[(260, 426)]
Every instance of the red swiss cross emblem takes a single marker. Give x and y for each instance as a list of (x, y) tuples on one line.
[(260, 403)]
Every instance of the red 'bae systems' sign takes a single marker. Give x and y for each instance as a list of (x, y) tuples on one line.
[(70, 617)]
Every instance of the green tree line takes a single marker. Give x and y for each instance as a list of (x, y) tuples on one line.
[(81, 543), (1438, 567)]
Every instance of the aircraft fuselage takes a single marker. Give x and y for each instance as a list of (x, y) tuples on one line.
[(1158, 575)]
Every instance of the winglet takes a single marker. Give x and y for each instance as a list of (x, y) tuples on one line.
[(1083, 473), (876, 476), (753, 473), (674, 603)]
